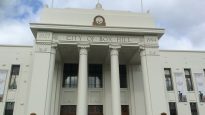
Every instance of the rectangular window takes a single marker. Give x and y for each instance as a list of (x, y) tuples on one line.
[(95, 76), (95, 110), (68, 110), (189, 82), (172, 108), (9, 108), (3, 74), (201, 97), (14, 74), (70, 75), (201, 90), (125, 110), (123, 76), (193, 108), (168, 77)]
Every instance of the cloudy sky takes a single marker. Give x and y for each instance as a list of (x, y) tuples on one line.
[(184, 20)]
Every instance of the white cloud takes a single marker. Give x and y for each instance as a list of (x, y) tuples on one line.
[(183, 19), (196, 34), (169, 42), (14, 32), (14, 22)]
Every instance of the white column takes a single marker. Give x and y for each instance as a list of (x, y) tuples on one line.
[(50, 81), (115, 81), (154, 89), (82, 106), (39, 100), (146, 83)]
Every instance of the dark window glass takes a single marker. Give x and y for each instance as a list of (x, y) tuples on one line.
[(95, 76), (1, 98), (193, 109), (181, 97), (168, 78), (189, 82), (202, 94), (3, 75), (95, 110), (172, 108), (125, 109), (14, 73), (201, 97), (123, 76), (9, 108), (68, 110), (70, 75)]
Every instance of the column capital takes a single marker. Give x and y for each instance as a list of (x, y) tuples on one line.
[(114, 49), (83, 46), (149, 51), (83, 49), (114, 46), (45, 47)]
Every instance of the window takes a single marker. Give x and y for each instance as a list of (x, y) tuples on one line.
[(168, 78), (3, 74), (201, 97), (172, 108), (182, 97), (95, 76), (193, 108), (14, 73), (70, 76), (95, 110), (123, 76), (188, 79), (68, 110), (9, 108), (201, 93), (124, 109)]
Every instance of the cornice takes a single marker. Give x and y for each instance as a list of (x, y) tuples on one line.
[(91, 29)]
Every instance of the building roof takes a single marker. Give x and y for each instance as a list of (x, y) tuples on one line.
[(85, 21), (15, 46), (85, 17)]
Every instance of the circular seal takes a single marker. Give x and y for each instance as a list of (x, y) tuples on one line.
[(99, 21)]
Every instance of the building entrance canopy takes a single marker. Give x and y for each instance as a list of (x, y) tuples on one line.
[(100, 54), (99, 47)]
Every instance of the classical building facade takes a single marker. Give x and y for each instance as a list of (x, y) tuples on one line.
[(99, 62)]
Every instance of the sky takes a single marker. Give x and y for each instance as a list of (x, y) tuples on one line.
[(183, 20)]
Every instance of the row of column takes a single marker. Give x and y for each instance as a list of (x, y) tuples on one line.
[(82, 105)]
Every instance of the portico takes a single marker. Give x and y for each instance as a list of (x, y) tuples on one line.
[(72, 46)]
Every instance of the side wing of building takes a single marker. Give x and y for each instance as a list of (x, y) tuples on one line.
[(15, 75), (184, 81)]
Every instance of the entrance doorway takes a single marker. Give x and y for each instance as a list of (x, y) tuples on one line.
[(71, 110), (95, 110), (68, 110), (125, 109)]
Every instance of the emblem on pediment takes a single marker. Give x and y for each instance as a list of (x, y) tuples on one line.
[(99, 21)]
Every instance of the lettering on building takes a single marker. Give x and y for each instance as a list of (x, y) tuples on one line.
[(98, 38)]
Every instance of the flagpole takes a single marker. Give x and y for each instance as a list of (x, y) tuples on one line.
[(52, 4), (142, 6)]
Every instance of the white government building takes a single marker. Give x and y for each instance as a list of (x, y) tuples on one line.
[(99, 62)]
